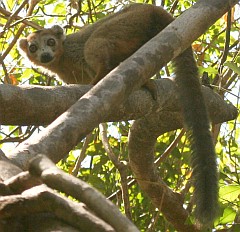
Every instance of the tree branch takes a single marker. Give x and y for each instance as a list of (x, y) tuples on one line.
[(41, 199), (59, 180), (141, 157), (40, 105), (27, 105)]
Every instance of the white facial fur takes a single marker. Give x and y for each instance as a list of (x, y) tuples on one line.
[(43, 47)]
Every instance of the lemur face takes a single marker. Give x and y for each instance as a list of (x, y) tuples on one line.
[(43, 47)]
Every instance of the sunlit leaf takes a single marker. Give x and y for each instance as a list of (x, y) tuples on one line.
[(229, 192), (233, 66), (228, 216)]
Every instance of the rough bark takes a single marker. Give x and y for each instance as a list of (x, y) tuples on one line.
[(26, 203), (41, 199), (59, 180), (40, 105), (139, 104), (141, 158), (12, 182)]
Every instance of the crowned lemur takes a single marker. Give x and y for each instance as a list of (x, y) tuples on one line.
[(85, 57)]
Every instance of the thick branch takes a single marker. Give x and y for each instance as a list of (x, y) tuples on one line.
[(40, 105), (57, 179), (32, 102), (41, 199), (21, 182), (19, 208), (141, 157), (36, 105)]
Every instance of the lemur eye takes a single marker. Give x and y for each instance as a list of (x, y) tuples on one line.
[(33, 48), (51, 42)]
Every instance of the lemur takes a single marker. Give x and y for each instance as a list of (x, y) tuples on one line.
[(86, 56)]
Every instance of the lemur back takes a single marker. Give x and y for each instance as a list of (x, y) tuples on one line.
[(88, 55)]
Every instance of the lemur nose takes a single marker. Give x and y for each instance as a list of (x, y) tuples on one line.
[(46, 57)]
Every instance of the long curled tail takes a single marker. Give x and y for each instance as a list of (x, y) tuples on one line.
[(205, 177)]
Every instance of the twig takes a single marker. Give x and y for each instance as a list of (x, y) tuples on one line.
[(169, 148), (6, 76), (24, 20), (82, 155), (32, 4), (14, 15), (121, 167)]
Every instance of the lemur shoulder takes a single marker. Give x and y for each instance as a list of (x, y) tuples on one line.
[(88, 55)]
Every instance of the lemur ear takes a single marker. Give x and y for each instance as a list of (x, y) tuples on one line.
[(23, 44), (58, 31)]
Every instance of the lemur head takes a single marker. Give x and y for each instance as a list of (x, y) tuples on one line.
[(43, 47)]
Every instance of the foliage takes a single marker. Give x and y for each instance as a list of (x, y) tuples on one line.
[(216, 53)]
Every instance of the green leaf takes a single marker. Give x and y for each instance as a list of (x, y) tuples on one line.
[(228, 216), (233, 66), (97, 182), (209, 70), (229, 192)]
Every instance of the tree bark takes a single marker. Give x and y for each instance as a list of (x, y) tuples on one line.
[(26, 202), (41, 105), (140, 104)]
